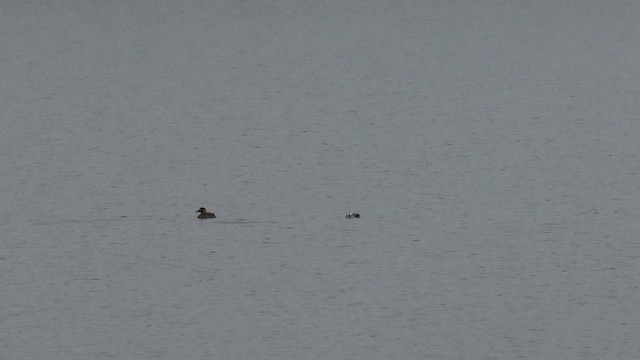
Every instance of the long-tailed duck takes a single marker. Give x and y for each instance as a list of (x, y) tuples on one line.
[(352, 215), (204, 214)]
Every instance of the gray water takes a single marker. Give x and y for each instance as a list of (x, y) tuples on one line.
[(491, 148)]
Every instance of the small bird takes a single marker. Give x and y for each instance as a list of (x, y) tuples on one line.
[(352, 215), (204, 214)]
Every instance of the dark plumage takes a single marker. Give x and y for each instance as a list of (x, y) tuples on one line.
[(352, 215), (204, 214)]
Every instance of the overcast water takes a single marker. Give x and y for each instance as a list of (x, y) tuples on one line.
[(491, 147)]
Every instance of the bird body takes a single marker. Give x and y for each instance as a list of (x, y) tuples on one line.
[(204, 214)]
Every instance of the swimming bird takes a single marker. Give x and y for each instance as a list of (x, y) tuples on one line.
[(352, 215), (204, 214)]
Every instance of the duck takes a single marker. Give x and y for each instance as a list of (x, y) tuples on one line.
[(352, 215), (204, 214)]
